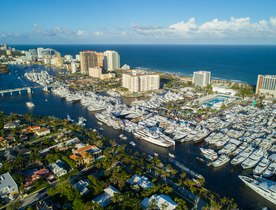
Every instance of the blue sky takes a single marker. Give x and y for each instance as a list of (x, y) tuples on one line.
[(138, 22)]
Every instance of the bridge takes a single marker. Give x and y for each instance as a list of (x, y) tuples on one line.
[(28, 89)]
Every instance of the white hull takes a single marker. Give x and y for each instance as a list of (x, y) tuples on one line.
[(267, 194)]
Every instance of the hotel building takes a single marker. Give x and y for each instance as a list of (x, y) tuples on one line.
[(88, 59), (266, 85), (202, 78), (137, 82), (111, 60)]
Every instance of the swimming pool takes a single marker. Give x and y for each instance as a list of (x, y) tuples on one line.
[(215, 100)]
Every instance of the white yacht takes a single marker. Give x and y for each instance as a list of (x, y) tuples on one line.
[(69, 118), (122, 136), (171, 155), (260, 168), (209, 154), (253, 159), (154, 138), (242, 156), (30, 104), (132, 143), (271, 169), (221, 161), (81, 121), (265, 188)]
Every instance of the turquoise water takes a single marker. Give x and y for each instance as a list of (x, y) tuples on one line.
[(213, 101)]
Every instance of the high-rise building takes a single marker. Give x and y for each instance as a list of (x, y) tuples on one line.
[(39, 52), (202, 78), (137, 82), (88, 59), (73, 67), (100, 59), (111, 60), (266, 85)]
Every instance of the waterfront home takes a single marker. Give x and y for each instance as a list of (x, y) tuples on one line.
[(142, 181), (85, 155), (58, 168), (161, 201), (42, 132), (104, 199), (10, 125), (8, 187)]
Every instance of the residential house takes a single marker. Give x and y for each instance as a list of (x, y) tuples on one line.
[(42, 132), (104, 199), (81, 186), (85, 155), (10, 125), (8, 187), (161, 201), (142, 181), (58, 168)]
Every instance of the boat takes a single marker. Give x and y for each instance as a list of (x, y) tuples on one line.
[(132, 143), (253, 159), (122, 136), (209, 154), (270, 171), (171, 155), (242, 156), (155, 154), (265, 188), (81, 121), (221, 161), (260, 168), (69, 118), (100, 123), (30, 104), (154, 138)]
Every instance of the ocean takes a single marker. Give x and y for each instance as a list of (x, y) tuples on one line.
[(223, 180), (229, 62)]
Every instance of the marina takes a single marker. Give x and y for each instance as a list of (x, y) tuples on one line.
[(214, 129)]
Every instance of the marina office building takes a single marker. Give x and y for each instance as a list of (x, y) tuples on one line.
[(138, 82), (266, 85), (202, 78)]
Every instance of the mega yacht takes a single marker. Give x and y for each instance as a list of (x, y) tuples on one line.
[(221, 161), (154, 138), (265, 188)]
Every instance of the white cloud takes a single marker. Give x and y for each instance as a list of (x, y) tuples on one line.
[(233, 28), (58, 31)]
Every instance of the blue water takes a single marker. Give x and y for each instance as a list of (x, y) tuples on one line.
[(242, 63), (49, 104)]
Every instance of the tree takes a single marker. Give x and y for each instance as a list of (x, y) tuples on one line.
[(181, 204)]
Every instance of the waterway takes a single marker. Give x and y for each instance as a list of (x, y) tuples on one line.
[(223, 180)]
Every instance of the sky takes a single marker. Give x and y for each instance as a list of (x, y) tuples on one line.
[(138, 22)]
